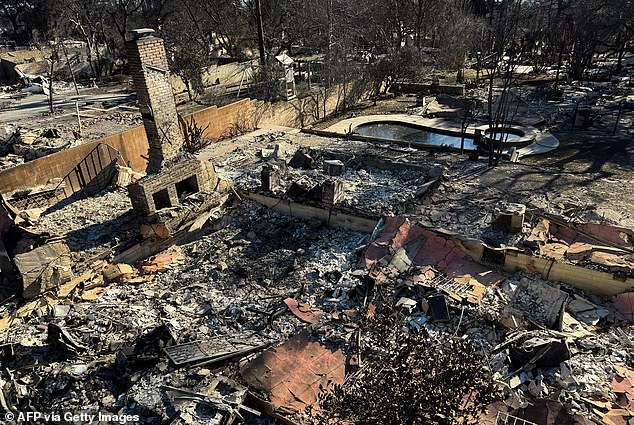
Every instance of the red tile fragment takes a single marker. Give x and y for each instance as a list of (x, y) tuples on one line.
[(559, 241), (434, 249), (620, 236), (293, 373), (304, 312)]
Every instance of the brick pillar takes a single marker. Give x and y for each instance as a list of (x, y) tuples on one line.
[(150, 75)]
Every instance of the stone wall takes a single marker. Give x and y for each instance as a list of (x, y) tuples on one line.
[(219, 76)]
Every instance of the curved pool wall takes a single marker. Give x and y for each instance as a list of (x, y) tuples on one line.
[(431, 136), (514, 136), (527, 140)]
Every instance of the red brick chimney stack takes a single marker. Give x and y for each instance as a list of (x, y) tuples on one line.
[(150, 75)]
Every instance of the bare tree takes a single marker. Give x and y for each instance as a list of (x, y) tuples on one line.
[(503, 62), (188, 52), (471, 112), (121, 13), (52, 60), (228, 21)]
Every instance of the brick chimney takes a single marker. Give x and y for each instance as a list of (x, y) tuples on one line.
[(150, 75)]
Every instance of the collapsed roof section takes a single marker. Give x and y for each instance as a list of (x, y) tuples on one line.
[(606, 246), (403, 246)]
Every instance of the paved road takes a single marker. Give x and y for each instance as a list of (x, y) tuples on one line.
[(36, 105)]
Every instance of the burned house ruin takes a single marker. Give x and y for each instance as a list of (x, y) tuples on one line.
[(279, 258)]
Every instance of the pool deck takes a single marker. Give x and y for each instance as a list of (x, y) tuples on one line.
[(544, 141)]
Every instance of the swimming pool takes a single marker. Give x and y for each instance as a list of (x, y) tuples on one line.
[(411, 134)]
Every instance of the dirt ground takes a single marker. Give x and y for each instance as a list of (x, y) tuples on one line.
[(597, 168)]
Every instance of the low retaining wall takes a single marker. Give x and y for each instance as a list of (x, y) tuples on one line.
[(331, 216), (132, 144), (593, 281)]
